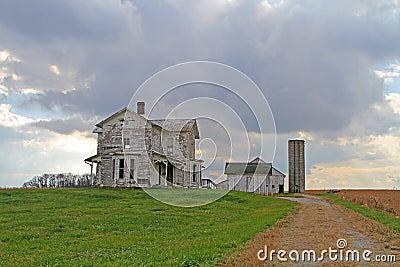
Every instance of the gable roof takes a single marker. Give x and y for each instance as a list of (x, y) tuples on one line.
[(172, 125), (279, 171), (257, 160), (178, 125), (256, 166), (100, 124)]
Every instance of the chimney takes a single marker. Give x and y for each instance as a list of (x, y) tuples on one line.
[(140, 108)]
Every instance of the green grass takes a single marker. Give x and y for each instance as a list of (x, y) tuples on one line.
[(126, 227), (385, 218)]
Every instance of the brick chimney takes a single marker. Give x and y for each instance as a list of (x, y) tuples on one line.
[(140, 108)]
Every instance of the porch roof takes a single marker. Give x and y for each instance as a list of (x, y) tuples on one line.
[(96, 158)]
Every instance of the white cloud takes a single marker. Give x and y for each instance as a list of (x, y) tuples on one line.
[(5, 56), (9, 119), (32, 91), (44, 152), (353, 174), (389, 73), (54, 69), (394, 102), (373, 162)]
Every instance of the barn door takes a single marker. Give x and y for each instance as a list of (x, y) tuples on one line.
[(281, 189)]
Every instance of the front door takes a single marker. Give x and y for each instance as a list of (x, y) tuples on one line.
[(170, 173), (121, 170)]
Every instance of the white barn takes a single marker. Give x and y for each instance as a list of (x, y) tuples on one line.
[(255, 176)]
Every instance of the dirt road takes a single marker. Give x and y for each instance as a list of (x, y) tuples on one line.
[(318, 225)]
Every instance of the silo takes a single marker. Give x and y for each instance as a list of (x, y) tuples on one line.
[(297, 174)]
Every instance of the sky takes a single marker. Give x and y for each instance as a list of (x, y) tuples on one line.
[(330, 71)]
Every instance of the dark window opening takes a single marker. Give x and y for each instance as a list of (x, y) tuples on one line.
[(142, 181), (113, 168), (121, 169), (127, 143), (194, 174), (132, 169), (170, 145)]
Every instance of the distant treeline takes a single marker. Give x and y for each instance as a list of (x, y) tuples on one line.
[(61, 180)]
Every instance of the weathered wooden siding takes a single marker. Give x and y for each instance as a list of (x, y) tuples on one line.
[(259, 184), (130, 136)]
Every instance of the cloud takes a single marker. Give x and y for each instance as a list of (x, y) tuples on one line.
[(41, 151), (9, 119), (323, 66), (394, 102), (65, 126), (55, 70)]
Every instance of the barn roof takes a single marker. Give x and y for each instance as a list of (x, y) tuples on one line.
[(252, 167)]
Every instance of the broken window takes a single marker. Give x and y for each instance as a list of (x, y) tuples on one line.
[(121, 169), (113, 168), (194, 174), (127, 143), (142, 181), (170, 145), (132, 169)]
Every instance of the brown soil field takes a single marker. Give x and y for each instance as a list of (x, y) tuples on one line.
[(386, 200), (318, 224)]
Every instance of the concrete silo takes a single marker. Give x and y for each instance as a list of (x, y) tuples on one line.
[(297, 174)]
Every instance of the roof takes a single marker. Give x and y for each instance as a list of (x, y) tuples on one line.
[(173, 125), (97, 130), (279, 171), (208, 179), (178, 125), (257, 160), (256, 166), (100, 124), (95, 158)]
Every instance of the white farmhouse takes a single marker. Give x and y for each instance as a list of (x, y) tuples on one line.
[(133, 151)]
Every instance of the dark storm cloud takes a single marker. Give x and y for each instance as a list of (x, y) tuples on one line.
[(312, 60), (66, 126)]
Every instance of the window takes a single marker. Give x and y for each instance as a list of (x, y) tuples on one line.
[(170, 145), (113, 169), (127, 143), (121, 168), (132, 169), (194, 174), (142, 181)]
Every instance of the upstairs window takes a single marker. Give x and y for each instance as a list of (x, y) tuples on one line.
[(170, 145), (127, 143)]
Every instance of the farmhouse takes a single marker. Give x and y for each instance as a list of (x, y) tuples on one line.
[(255, 176), (133, 151)]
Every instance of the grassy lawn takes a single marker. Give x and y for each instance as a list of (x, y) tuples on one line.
[(385, 218), (126, 227)]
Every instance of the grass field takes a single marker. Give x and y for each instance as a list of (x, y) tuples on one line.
[(126, 227), (390, 220)]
